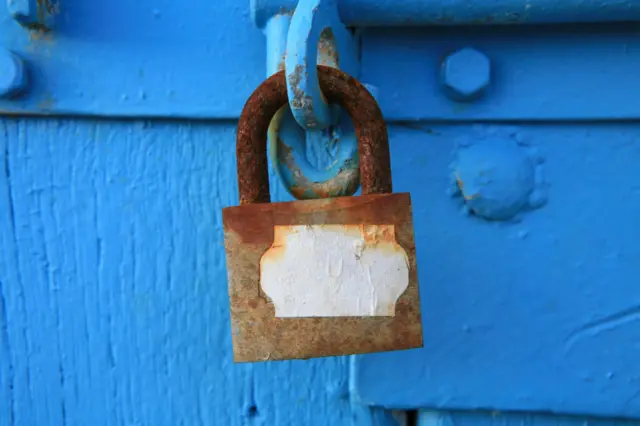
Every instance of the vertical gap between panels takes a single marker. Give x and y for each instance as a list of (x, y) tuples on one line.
[(411, 417)]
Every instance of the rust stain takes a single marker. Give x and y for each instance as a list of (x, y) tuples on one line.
[(328, 50), (376, 234), (47, 103), (343, 184), (301, 100), (249, 232), (40, 34), (380, 237), (44, 8), (279, 246), (467, 197), (259, 335)]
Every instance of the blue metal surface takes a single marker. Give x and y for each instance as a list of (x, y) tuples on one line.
[(316, 36), (536, 314), (585, 72), (160, 59), (315, 163), (139, 58), (381, 13), (539, 73)]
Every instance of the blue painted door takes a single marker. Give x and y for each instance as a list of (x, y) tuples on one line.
[(117, 155)]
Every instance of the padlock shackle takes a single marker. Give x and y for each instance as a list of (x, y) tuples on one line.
[(339, 88)]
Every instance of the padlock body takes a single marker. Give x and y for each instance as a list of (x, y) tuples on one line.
[(325, 277)]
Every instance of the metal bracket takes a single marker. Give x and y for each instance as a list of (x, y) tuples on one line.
[(412, 13), (316, 36), (148, 63), (323, 160)]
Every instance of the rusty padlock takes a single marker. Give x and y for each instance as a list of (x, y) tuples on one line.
[(314, 278)]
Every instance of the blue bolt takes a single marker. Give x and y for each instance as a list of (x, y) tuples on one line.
[(466, 74), (13, 75)]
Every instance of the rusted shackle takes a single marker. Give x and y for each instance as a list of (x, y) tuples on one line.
[(339, 88)]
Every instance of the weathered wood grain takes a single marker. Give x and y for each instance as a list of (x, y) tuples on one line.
[(113, 291)]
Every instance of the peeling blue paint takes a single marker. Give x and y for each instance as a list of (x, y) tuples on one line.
[(316, 163), (315, 36)]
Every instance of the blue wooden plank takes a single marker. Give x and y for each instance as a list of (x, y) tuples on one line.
[(9, 282), (113, 296), (536, 314)]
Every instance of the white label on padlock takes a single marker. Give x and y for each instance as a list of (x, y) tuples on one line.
[(334, 271)]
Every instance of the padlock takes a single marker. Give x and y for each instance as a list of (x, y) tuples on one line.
[(322, 277)]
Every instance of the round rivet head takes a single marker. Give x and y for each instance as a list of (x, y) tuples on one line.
[(13, 76), (466, 74), (498, 179)]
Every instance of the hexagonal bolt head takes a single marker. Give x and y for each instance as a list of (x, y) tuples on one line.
[(466, 74), (13, 75)]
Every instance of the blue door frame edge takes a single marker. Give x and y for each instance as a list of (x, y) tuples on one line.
[(381, 13)]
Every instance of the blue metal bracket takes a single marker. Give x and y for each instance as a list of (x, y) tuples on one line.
[(154, 59), (393, 13), (316, 28), (323, 160)]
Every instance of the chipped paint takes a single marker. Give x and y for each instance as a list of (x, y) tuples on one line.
[(286, 135), (300, 100), (334, 270), (35, 16), (460, 183), (316, 36), (328, 49)]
